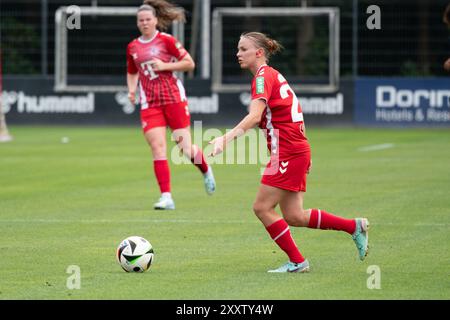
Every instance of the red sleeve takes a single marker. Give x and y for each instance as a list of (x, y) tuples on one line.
[(131, 66), (262, 85), (175, 47)]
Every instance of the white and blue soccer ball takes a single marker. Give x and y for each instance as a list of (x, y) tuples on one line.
[(135, 254)]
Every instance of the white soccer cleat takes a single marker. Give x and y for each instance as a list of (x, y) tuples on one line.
[(361, 237), (210, 182), (164, 203), (291, 267)]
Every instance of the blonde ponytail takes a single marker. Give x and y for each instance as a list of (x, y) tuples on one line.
[(261, 40)]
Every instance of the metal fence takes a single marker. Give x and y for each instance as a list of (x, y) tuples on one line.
[(412, 41)]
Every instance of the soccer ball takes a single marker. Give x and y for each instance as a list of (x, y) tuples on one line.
[(135, 254)]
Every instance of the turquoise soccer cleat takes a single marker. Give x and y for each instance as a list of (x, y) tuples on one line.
[(361, 237), (210, 182), (164, 203), (292, 267)]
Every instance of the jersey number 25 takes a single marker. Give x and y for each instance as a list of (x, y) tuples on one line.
[(296, 114)]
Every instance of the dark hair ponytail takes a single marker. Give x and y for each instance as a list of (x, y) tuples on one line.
[(165, 11)]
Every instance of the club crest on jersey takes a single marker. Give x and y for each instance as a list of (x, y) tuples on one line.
[(154, 51), (259, 85), (134, 55)]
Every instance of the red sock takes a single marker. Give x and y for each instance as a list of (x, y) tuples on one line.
[(162, 173), (199, 161), (323, 220), (280, 233)]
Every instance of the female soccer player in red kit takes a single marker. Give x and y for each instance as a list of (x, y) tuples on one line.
[(275, 108), (151, 60)]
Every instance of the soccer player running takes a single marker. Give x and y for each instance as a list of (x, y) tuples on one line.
[(151, 60), (275, 108)]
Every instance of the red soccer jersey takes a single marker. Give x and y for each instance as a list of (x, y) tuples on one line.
[(283, 117), (157, 88)]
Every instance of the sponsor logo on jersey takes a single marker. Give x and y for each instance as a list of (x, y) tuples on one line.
[(259, 85)]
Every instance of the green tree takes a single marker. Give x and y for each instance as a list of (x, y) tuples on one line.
[(20, 47)]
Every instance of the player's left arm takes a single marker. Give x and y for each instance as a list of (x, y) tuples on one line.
[(175, 48), (256, 110), (185, 64)]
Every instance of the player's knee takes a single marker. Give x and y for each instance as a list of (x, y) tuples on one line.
[(158, 149), (259, 209)]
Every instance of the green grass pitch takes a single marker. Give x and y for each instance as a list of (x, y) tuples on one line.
[(64, 204)]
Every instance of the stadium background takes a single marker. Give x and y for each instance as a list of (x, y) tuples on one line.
[(408, 53)]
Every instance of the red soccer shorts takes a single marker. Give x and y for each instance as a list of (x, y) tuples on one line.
[(288, 174), (176, 116)]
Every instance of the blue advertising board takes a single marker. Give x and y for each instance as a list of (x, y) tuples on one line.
[(402, 102)]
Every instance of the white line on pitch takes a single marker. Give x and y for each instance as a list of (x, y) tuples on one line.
[(100, 221), (377, 147), (122, 221)]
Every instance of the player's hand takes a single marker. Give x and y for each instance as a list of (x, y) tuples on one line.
[(132, 96), (218, 146), (309, 167), (158, 65)]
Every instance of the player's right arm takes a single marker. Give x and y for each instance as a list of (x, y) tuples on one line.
[(256, 110), (132, 76), (132, 81)]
